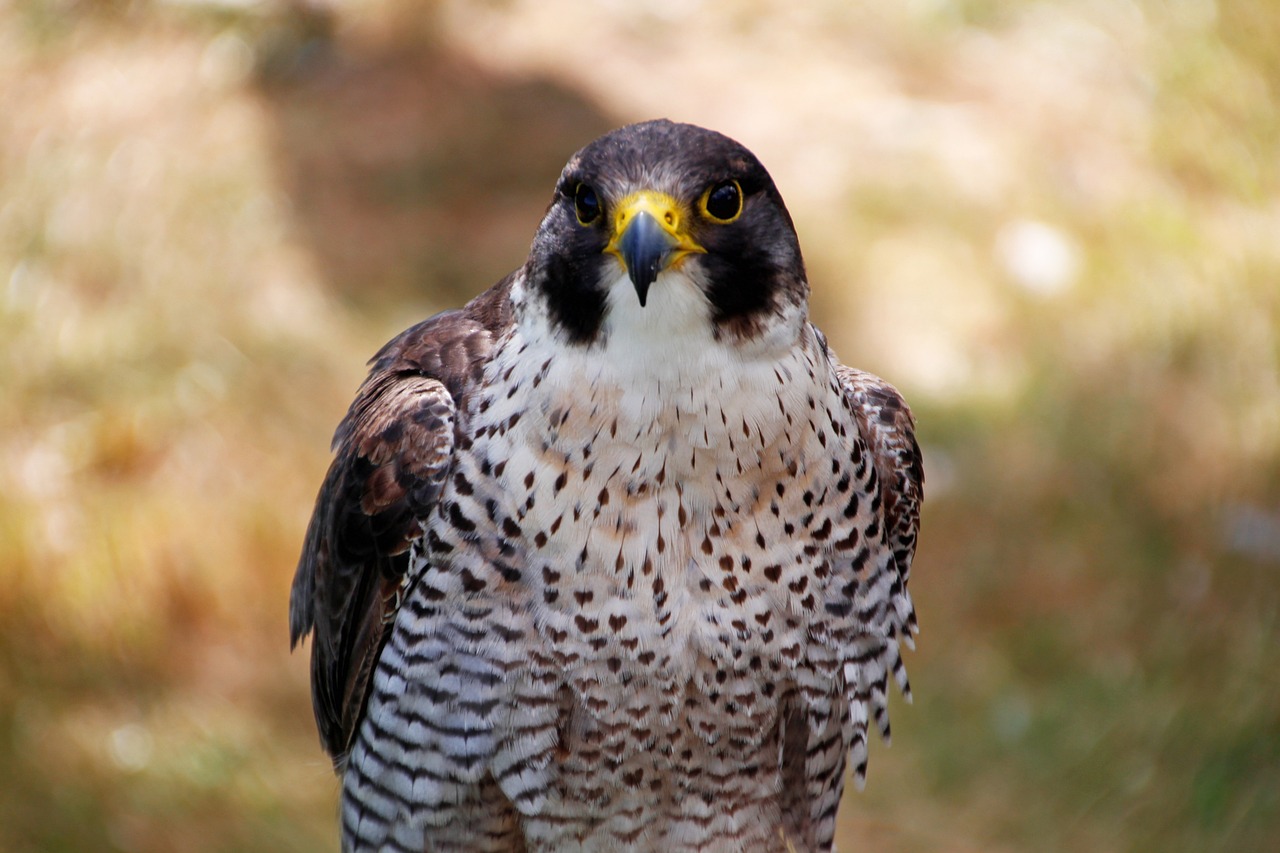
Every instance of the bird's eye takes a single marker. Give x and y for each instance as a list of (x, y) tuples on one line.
[(586, 204), (723, 202)]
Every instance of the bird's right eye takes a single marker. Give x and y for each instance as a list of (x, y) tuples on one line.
[(586, 204)]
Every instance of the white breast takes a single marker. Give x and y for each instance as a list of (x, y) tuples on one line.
[(621, 458)]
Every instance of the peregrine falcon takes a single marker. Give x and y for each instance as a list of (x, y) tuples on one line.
[(616, 555)]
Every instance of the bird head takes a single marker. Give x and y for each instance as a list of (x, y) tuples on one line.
[(666, 222)]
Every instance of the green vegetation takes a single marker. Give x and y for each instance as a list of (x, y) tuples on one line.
[(1055, 225)]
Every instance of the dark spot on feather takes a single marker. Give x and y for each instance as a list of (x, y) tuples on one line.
[(470, 582), (459, 520)]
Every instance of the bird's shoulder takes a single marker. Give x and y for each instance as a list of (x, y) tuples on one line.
[(392, 454)]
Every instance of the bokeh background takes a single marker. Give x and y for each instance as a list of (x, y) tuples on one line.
[(1055, 225)]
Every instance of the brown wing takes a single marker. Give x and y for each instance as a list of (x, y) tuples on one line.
[(889, 429), (393, 451)]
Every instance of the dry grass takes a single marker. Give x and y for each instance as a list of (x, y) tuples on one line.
[(1052, 224)]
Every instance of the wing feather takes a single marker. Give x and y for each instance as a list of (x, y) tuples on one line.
[(888, 427), (392, 456)]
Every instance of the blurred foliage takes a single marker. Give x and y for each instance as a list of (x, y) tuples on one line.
[(1052, 224)]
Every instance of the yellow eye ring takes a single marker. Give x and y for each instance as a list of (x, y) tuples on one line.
[(722, 202)]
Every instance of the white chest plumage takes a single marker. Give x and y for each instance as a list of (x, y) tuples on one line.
[(623, 463), (654, 503)]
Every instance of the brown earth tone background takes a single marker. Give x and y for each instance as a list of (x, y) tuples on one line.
[(1055, 225)]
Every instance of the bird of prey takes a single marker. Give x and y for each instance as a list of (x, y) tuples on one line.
[(615, 556)]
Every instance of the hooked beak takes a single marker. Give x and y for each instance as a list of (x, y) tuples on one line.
[(649, 236)]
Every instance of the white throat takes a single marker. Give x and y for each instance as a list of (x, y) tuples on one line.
[(661, 368)]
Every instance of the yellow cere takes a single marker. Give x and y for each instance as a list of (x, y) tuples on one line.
[(669, 213)]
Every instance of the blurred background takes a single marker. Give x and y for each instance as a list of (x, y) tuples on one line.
[(1055, 225)]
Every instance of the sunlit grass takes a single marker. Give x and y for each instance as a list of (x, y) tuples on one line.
[(1053, 226)]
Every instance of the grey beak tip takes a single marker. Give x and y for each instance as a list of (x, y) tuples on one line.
[(645, 249)]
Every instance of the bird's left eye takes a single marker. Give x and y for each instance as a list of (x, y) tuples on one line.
[(723, 202), (586, 204)]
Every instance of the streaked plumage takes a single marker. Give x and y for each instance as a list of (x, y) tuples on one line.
[(615, 556)]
